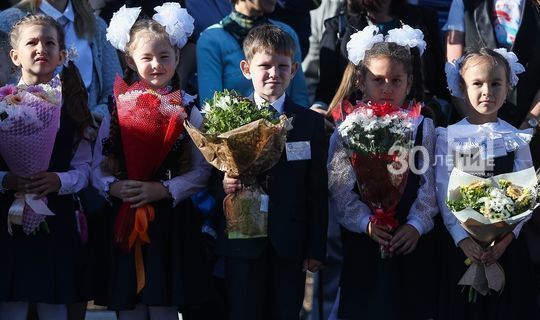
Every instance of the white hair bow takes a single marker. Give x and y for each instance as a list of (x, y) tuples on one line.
[(176, 20)]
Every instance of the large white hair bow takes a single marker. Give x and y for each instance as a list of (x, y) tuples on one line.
[(361, 42), (364, 40), (177, 23), (120, 25), (515, 67)]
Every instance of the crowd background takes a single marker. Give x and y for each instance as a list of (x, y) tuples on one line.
[(321, 29)]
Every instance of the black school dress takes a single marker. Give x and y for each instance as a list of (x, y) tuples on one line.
[(519, 298), (401, 287), (46, 267), (175, 264)]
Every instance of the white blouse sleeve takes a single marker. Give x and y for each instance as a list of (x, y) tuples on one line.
[(100, 179), (75, 179), (195, 180), (351, 213), (425, 207), (443, 167)]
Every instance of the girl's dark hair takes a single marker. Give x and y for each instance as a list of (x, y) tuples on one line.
[(489, 55), (112, 163), (74, 94), (357, 7), (409, 58), (75, 98)]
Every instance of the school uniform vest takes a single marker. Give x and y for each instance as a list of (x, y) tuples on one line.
[(47, 266), (174, 262), (400, 287)]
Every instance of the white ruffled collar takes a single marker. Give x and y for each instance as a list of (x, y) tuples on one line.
[(513, 138)]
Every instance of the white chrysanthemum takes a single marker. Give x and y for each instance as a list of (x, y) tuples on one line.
[(177, 22), (407, 36), (362, 41), (515, 67), (453, 78), (120, 25)]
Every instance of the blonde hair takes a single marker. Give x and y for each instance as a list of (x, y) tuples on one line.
[(36, 19), (85, 21)]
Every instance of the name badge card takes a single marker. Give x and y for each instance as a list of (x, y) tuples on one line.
[(300, 150)]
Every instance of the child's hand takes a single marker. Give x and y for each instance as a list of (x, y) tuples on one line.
[(43, 183), (471, 249), (139, 193), (404, 240), (14, 182), (494, 253), (231, 185), (380, 234), (312, 265)]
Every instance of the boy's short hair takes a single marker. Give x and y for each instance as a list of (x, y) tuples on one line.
[(268, 38)]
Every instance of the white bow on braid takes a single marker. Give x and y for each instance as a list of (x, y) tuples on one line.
[(175, 19), (453, 78), (364, 40)]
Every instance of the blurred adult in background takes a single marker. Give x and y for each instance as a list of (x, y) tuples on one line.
[(296, 14), (310, 64), (207, 13)]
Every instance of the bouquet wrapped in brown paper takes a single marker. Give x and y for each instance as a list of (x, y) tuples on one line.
[(244, 141), (488, 209)]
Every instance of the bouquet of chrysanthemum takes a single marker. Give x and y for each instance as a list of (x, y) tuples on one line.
[(244, 141), (379, 137), (29, 121), (488, 209)]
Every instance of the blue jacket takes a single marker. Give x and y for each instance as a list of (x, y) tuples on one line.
[(218, 65)]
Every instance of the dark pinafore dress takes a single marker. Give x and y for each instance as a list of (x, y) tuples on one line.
[(175, 264), (519, 298), (402, 287), (45, 267)]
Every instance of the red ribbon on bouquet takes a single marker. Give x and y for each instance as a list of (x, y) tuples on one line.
[(385, 218)]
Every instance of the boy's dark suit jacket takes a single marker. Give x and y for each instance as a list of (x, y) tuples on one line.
[(298, 206)]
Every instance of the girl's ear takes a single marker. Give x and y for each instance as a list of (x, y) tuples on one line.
[(63, 55), (409, 83), (131, 63), (246, 71), (177, 60), (360, 81), (14, 55)]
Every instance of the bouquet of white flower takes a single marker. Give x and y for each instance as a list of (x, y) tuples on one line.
[(244, 141), (488, 209)]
